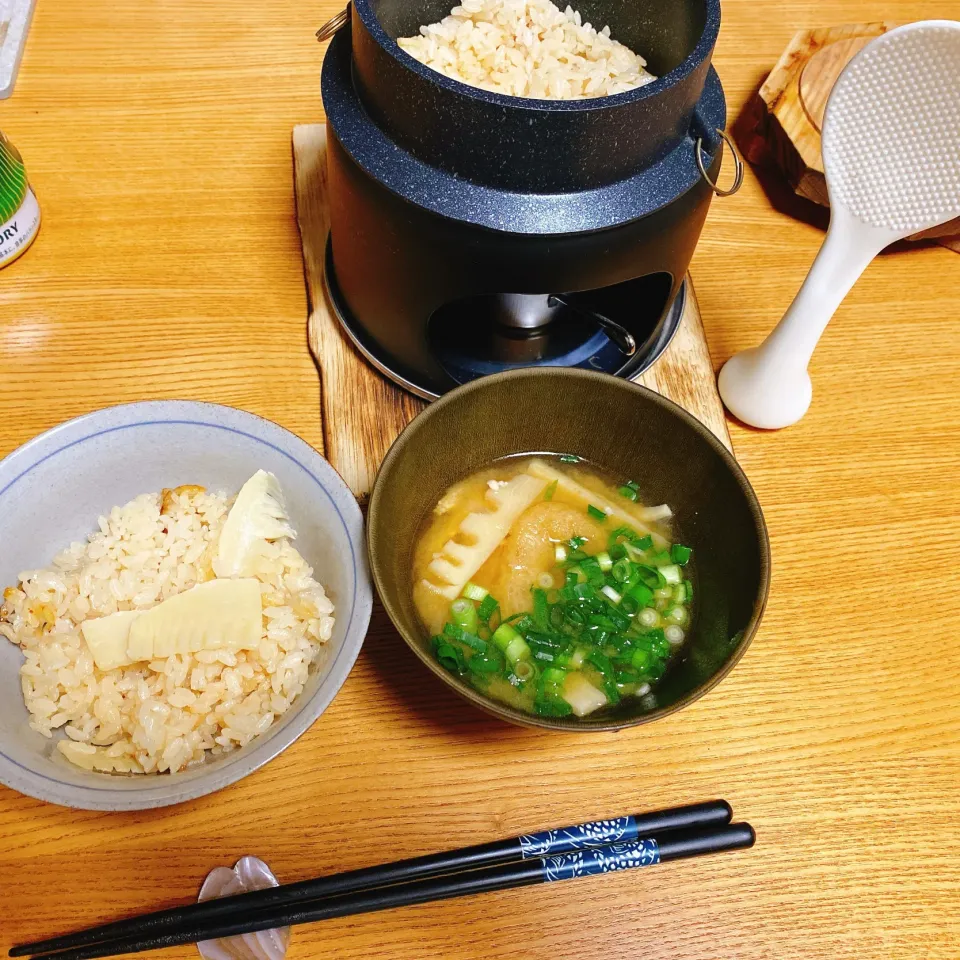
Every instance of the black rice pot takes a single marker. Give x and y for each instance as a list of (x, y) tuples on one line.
[(448, 201)]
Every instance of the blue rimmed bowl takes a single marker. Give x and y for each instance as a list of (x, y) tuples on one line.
[(53, 489)]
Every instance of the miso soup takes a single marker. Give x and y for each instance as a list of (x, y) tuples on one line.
[(548, 585)]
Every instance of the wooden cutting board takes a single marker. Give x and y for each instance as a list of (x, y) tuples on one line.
[(363, 412)]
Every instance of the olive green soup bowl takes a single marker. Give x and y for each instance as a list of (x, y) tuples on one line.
[(635, 434)]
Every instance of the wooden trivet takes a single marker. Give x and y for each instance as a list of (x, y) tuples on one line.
[(363, 412), (790, 106)]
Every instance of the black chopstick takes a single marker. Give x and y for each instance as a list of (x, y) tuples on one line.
[(674, 845), (546, 843)]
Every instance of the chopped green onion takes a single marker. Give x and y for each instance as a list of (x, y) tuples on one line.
[(488, 607), (550, 491), (651, 576), (552, 707), (575, 616), (596, 513), (616, 617), (473, 641), (628, 492), (524, 670), (592, 569), (641, 593), (629, 606), (569, 458), (674, 634), (648, 617), (605, 667), (601, 662), (677, 615), (504, 635), (671, 573), (689, 586), (448, 656), (540, 610), (484, 663), (554, 677), (474, 592), (516, 649), (632, 552), (464, 615), (680, 554), (610, 594), (658, 642), (641, 660)]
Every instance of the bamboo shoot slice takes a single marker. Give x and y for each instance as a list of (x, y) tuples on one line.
[(216, 615), (458, 562), (634, 518), (107, 638), (257, 515)]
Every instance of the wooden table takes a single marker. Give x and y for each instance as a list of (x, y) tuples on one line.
[(157, 136)]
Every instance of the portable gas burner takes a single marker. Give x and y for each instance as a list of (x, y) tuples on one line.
[(472, 232)]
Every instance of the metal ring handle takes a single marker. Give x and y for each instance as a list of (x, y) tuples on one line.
[(334, 25), (737, 167)]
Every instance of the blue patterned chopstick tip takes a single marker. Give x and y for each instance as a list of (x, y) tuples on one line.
[(582, 836), (586, 863)]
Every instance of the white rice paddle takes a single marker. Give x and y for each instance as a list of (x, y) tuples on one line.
[(891, 155)]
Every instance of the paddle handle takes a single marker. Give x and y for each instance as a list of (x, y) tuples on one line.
[(768, 386)]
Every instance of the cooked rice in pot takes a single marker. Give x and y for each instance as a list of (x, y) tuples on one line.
[(171, 712), (527, 48)]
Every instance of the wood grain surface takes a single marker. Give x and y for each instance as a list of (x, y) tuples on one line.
[(157, 136), (355, 441)]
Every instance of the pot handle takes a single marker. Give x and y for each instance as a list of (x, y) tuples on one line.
[(334, 25), (706, 141)]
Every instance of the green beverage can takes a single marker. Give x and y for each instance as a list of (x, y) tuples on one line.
[(19, 210)]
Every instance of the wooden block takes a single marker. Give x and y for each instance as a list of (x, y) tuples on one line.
[(363, 412), (791, 107)]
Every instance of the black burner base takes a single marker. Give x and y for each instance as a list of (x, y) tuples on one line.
[(469, 346)]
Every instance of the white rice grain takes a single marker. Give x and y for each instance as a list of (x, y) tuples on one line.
[(172, 712), (527, 48)]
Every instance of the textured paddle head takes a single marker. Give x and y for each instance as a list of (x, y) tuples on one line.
[(891, 132)]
